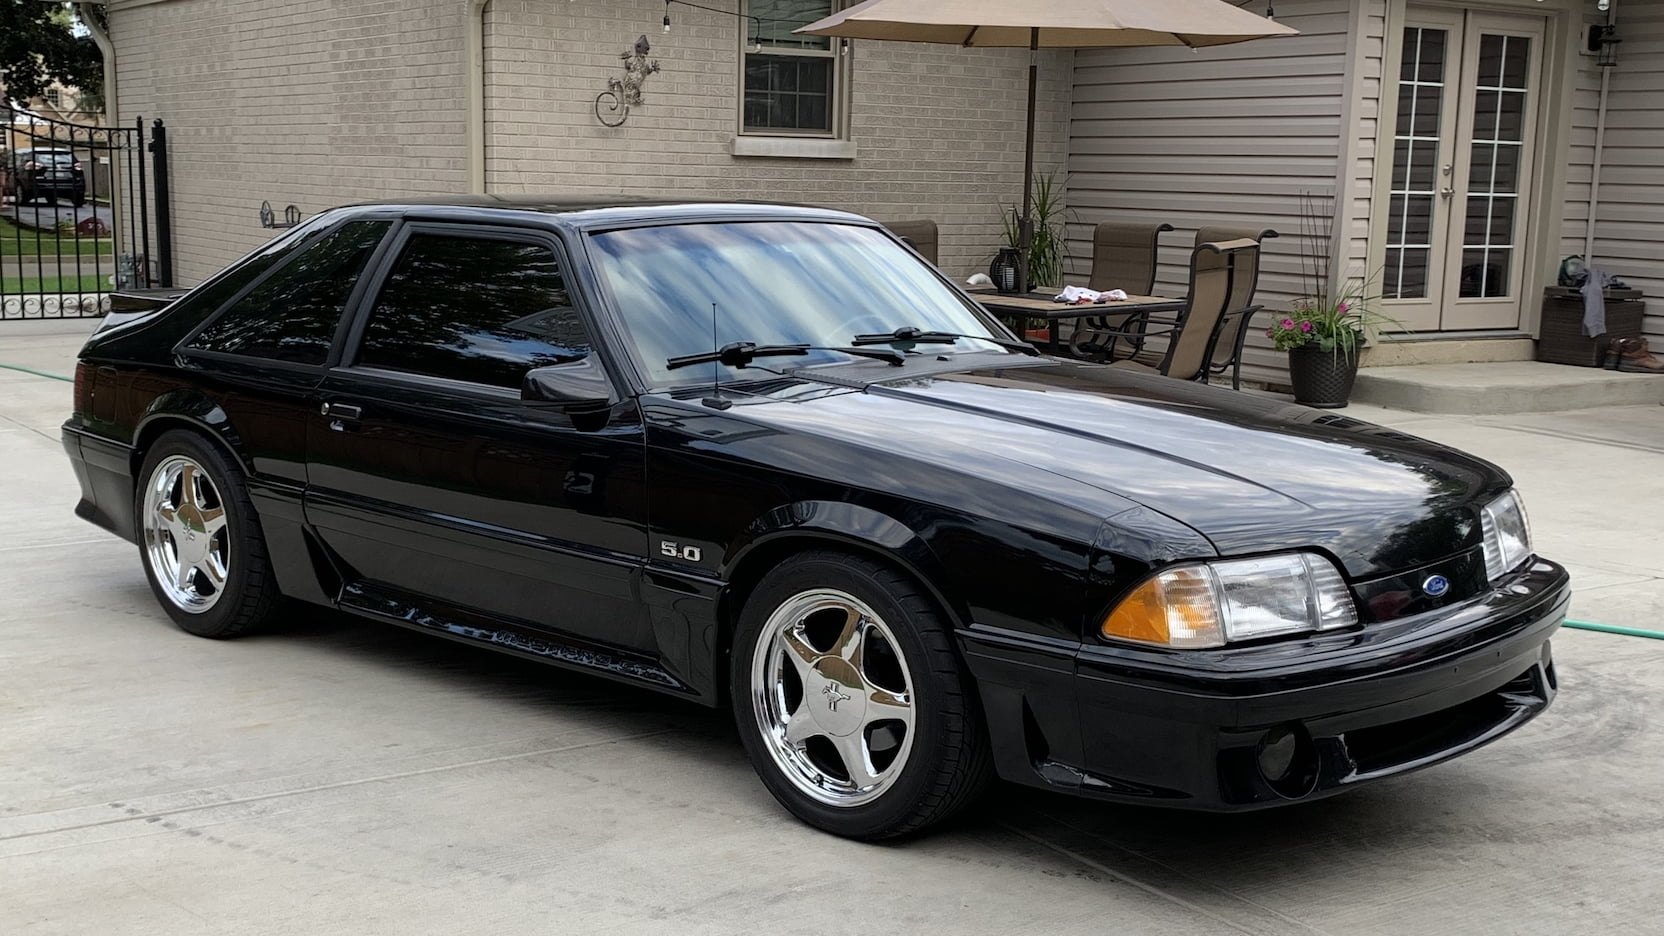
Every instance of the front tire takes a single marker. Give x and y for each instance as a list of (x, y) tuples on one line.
[(200, 541), (850, 700)]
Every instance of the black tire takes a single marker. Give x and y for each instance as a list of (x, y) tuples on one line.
[(948, 763), (249, 595), (79, 200)]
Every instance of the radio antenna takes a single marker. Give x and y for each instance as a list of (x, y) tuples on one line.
[(716, 400)]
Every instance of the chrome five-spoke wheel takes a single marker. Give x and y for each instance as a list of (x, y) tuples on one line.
[(185, 534), (833, 697)]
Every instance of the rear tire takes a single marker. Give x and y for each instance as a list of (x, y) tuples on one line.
[(200, 541), (850, 700)]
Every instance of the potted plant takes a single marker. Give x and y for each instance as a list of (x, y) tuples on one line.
[(1046, 249), (1325, 330), (1323, 337)]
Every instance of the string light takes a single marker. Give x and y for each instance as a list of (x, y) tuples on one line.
[(755, 31)]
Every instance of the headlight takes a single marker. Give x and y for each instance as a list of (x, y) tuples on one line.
[(1210, 604), (1507, 535)]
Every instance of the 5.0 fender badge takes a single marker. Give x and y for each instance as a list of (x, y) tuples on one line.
[(1436, 585)]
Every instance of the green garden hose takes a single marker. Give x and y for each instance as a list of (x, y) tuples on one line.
[(30, 370), (1615, 629)]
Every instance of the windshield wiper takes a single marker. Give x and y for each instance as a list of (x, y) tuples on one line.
[(920, 336), (742, 353)]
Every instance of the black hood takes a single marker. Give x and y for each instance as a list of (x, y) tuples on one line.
[(1250, 473)]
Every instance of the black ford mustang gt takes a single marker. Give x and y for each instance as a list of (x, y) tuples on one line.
[(766, 456)]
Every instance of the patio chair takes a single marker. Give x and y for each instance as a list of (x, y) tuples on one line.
[(1245, 277), (1124, 257), (1192, 336), (919, 235)]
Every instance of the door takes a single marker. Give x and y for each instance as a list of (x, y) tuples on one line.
[(1460, 194), (261, 357), (438, 486)]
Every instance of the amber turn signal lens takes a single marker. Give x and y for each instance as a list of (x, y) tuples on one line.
[(1178, 608)]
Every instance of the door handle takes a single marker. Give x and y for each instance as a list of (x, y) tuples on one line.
[(1447, 191), (339, 413)]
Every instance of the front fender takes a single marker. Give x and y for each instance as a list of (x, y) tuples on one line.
[(849, 524)]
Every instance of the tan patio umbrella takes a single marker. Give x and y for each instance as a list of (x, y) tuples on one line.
[(1048, 24)]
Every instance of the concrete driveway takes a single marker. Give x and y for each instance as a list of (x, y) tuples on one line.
[(338, 776)]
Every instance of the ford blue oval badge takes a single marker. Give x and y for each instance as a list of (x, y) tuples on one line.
[(1436, 585)]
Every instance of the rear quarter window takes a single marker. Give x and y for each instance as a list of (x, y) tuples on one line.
[(292, 316)]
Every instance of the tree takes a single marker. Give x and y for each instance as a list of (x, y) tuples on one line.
[(43, 42)]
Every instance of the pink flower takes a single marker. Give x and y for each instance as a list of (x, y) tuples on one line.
[(1305, 326), (1342, 308), (1288, 323)]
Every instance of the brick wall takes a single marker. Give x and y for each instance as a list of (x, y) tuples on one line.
[(320, 102)]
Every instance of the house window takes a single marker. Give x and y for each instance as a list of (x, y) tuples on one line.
[(791, 83), (53, 96)]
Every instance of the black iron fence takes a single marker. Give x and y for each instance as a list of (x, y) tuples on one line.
[(82, 214)]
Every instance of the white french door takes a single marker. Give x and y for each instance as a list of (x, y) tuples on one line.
[(1462, 151)]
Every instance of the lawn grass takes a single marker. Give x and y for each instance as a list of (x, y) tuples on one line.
[(20, 241), (54, 285)]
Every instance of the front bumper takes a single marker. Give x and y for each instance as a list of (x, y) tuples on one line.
[(1185, 728)]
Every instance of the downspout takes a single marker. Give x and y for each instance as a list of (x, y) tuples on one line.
[(112, 118), (1600, 148), (83, 11), (474, 130)]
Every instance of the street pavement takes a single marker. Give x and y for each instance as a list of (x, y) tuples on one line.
[(340, 776), (47, 214)]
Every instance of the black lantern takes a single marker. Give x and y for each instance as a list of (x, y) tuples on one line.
[(1603, 42), (1003, 271)]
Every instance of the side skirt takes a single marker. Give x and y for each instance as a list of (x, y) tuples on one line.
[(374, 600)]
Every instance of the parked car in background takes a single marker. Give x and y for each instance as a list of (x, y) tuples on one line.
[(33, 173), (767, 457)]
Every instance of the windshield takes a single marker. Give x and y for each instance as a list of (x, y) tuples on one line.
[(52, 157), (772, 282)]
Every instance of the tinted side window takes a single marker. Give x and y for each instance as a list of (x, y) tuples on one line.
[(292, 316), (474, 309), (204, 299)]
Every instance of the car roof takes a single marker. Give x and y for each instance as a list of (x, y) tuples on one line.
[(596, 210)]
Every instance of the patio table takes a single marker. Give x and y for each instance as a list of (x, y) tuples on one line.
[(1013, 310)]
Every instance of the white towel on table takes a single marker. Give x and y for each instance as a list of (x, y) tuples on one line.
[(1074, 294)]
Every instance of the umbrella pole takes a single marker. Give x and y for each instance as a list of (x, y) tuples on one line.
[(1026, 225)]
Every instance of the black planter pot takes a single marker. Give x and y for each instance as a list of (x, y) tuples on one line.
[(1322, 378)]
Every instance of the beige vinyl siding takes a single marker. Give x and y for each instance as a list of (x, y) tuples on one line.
[(1629, 220), (1369, 80), (1231, 135)]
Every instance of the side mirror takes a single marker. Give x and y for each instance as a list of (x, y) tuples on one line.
[(574, 385)]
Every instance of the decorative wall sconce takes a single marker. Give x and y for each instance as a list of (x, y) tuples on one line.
[(625, 93), (291, 216), (1603, 42)]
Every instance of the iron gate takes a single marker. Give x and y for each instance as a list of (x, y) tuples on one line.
[(83, 213)]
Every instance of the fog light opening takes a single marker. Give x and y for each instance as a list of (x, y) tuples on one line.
[(1287, 760)]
